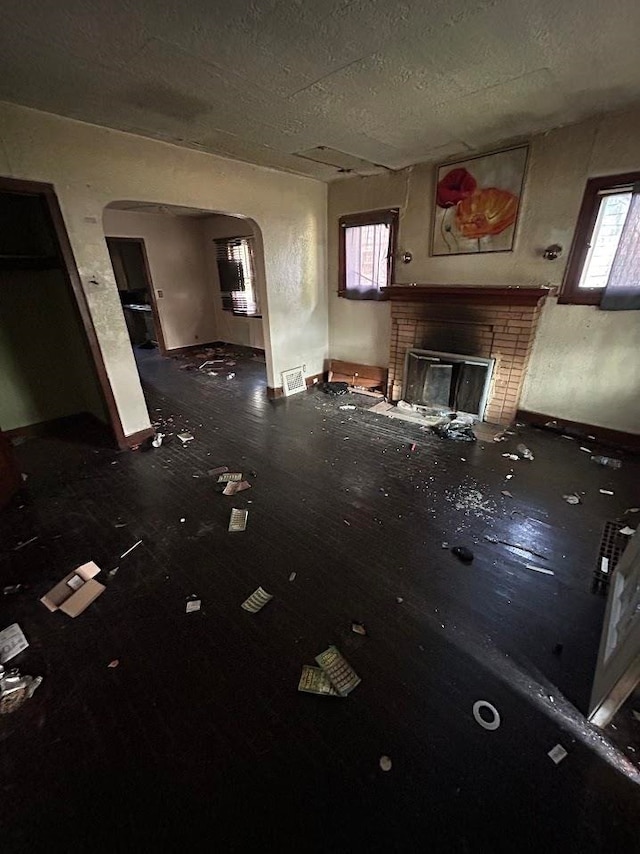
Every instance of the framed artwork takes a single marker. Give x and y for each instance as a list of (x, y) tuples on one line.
[(477, 202)]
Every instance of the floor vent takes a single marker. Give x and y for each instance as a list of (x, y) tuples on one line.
[(612, 546), (293, 381)]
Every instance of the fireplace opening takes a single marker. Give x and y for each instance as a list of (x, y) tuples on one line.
[(447, 381)]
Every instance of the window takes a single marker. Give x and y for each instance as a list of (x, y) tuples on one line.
[(367, 247), (604, 263), (237, 276)]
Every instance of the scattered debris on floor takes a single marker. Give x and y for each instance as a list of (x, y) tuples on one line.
[(238, 519), (525, 452), (112, 572), (15, 689), (627, 531), (463, 553), (12, 642), (26, 543), (292, 576), (586, 450), (511, 457), (471, 501), (557, 754), (335, 388), (506, 493), (230, 376), (113, 664), (128, 551), (605, 492), (399, 600), (491, 724), (358, 628), (257, 601), (77, 590), (313, 680), (458, 428), (348, 406), (236, 486), (185, 437), (217, 471), (193, 605), (340, 673), (157, 440), (539, 569), (230, 477), (572, 498), (13, 589), (385, 763), (609, 462)]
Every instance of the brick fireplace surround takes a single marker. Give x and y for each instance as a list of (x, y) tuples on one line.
[(490, 322)]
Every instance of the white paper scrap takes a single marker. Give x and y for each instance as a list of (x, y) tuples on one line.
[(194, 605), (12, 641), (557, 754), (539, 569), (604, 565), (606, 492), (627, 531)]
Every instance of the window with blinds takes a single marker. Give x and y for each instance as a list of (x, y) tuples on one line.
[(234, 257)]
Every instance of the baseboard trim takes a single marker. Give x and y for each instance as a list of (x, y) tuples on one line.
[(192, 348), (276, 392), (135, 438), (617, 438)]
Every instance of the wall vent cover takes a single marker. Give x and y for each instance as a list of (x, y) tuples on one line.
[(293, 381)]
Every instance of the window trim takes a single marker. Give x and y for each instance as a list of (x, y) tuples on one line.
[(570, 293), (387, 216)]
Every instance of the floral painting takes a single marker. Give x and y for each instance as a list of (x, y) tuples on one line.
[(477, 201)]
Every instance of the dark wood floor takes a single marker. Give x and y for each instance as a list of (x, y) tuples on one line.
[(199, 737)]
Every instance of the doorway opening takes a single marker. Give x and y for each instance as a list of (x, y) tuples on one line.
[(52, 377), (133, 278), (189, 280)]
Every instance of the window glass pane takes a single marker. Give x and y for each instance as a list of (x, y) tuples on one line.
[(612, 214), (367, 257)]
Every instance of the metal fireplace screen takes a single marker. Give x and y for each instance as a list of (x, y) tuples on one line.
[(447, 381)]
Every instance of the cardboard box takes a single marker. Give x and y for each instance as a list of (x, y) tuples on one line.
[(76, 591)]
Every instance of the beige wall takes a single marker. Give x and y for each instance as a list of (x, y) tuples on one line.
[(178, 268), (582, 355), (92, 166), (45, 366), (235, 330)]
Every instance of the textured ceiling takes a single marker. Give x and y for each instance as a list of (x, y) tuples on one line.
[(373, 81)]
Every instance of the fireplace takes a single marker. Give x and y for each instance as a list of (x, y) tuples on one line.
[(478, 326), (447, 381)]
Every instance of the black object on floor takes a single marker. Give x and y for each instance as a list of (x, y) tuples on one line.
[(463, 553)]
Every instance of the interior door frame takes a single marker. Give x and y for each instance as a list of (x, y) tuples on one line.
[(152, 293), (68, 266)]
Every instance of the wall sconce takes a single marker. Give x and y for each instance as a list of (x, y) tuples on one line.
[(552, 252), (406, 257)]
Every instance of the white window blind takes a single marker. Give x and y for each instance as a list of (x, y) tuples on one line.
[(234, 257)]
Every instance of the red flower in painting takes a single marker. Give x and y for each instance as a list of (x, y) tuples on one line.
[(454, 187)]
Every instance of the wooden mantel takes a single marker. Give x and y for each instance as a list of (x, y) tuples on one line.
[(467, 294)]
